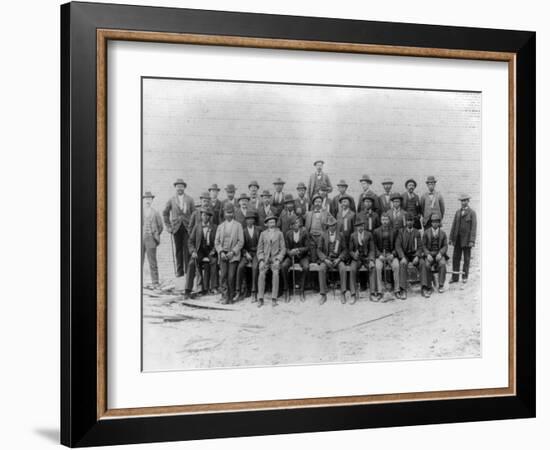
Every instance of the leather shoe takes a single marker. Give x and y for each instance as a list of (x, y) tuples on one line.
[(353, 299), (260, 302), (323, 299), (274, 302)]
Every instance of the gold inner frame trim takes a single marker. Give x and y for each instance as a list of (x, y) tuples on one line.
[(104, 35)]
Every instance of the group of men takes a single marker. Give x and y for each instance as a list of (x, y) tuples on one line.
[(277, 232)]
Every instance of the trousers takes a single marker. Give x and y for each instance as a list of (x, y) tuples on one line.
[(285, 268), (181, 238), (323, 277), (228, 271), (404, 271), (208, 270), (426, 275), (264, 267), (241, 271), (458, 251), (152, 259), (379, 265), (355, 266)]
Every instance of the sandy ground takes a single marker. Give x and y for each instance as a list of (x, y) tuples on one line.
[(203, 333)]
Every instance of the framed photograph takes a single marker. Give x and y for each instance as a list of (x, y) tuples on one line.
[(277, 224)]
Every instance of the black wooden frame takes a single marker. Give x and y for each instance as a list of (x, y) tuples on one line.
[(79, 423)]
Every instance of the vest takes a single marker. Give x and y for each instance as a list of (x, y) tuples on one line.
[(435, 243)]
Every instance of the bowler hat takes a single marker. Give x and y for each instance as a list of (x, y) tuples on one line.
[(205, 195), (244, 196), (431, 179), (318, 161), (254, 183), (365, 177), (370, 197), (342, 183), (268, 218), (396, 196), (301, 186), (464, 197), (206, 211), (410, 180), (265, 193), (359, 221), (387, 181), (229, 208), (288, 198), (251, 215), (331, 221), (345, 197), (214, 187), (278, 181), (323, 187), (148, 195), (435, 217), (180, 181), (230, 188), (315, 197)]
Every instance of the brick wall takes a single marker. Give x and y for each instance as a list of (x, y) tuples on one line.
[(218, 132)]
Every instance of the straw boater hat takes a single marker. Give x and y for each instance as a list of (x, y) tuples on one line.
[(265, 193), (205, 195), (288, 198), (254, 183), (431, 179), (345, 197), (244, 196), (301, 186), (278, 181), (214, 187), (268, 218), (411, 180), (180, 181), (230, 188), (148, 195), (366, 178), (464, 197)]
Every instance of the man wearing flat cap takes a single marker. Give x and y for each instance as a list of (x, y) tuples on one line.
[(345, 217), (411, 202), (434, 250), (196, 216), (243, 208), (384, 200), (362, 254), (151, 226), (317, 179), (230, 191), (255, 200), (396, 212), (249, 251), (229, 242), (177, 215), (297, 251), (316, 224), (408, 246), (215, 204), (301, 204), (342, 187), (265, 209), (431, 202), (366, 183), (463, 237), (288, 215), (201, 247), (278, 199), (368, 216), (271, 251)]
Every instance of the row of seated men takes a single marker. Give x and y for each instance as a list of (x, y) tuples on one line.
[(229, 248)]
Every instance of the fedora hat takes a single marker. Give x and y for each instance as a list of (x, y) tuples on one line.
[(230, 188), (229, 208), (411, 180), (148, 195), (254, 183), (345, 197), (387, 181), (366, 178), (318, 161), (207, 211), (431, 179), (205, 195), (435, 217), (315, 197), (331, 221), (244, 196), (301, 186), (180, 181), (271, 217), (288, 198), (214, 187), (359, 221), (396, 196), (369, 196), (278, 181), (342, 183), (323, 187), (265, 193), (251, 215)]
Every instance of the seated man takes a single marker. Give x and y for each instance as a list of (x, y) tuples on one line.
[(384, 240), (251, 234), (271, 251), (297, 247), (409, 249), (201, 246), (434, 248), (361, 251), (332, 253)]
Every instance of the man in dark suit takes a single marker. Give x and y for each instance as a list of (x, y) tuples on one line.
[(434, 249), (204, 204), (242, 209), (368, 216), (396, 212), (265, 209), (201, 246), (230, 191), (345, 217), (362, 253), (301, 204), (317, 179), (297, 250), (151, 225), (384, 200), (366, 183), (255, 200), (409, 249), (251, 234), (431, 202), (176, 215), (411, 202), (332, 253), (287, 216), (335, 202), (463, 237), (384, 240), (277, 201), (215, 203)]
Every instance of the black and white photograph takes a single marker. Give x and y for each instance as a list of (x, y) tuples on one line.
[(288, 224)]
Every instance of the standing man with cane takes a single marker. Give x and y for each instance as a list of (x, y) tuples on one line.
[(177, 215)]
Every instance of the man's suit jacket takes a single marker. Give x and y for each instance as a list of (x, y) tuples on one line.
[(427, 242), (325, 179), (236, 242), (375, 202), (255, 203), (397, 218), (374, 222), (340, 249), (277, 205), (384, 202), (262, 215), (430, 206), (174, 216), (365, 251), (240, 215), (301, 206), (335, 204), (153, 240), (302, 245), (251, 243), (467, 233), (405, 199), (346, 224), (408, 242), (271, 250), (379, 248), (195, 239), (216, 206), (324, 219), (285, 220), (224, 201)]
